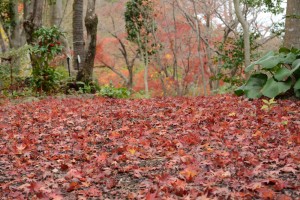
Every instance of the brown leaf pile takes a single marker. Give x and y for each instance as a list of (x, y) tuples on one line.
[(220, 147)]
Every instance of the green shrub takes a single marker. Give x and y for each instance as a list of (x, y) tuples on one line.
[(64, 74), (141, 95), (13, 69), (47, 80), (24, 92), (112, 92), (4, 76), (275, 74), (47, 46)]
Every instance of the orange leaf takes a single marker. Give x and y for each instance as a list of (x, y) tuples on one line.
[(266, 193), (115, 135), (188, 174), (101, 159), (73, 186)]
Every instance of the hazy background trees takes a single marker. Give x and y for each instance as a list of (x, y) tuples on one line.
[(193, 47)]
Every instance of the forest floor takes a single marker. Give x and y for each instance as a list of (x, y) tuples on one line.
[(220, 147)]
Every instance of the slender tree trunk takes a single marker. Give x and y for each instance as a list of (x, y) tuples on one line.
[(56, 19), (146, 61), (85, 73), (174, 51), (292, 24), (130, 77), (230, 9), (2, 44), (245, 25), (213, 70), (78, 39), (201, 65)]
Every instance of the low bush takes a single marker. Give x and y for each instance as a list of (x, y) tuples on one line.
[(112, 92), (47, 45), (273, 75)]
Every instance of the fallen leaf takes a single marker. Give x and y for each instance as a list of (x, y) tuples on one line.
[(93, 192), (189, 174), (110, 183), (288, 169), (72, 186), (266, 193)]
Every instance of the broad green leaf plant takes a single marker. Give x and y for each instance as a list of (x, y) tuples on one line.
[(47, 46), (273, 74)]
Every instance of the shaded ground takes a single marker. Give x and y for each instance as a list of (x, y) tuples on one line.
[(220, 147)]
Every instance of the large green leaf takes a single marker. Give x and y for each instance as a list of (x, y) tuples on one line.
[(239, 91), (289, 58), (296, 74), (296, 64), (297, 84), (254, 85), (273, 88), (251, 66), (284, 50), (295, 50), (270, 62), (282, 74), (297, 88)]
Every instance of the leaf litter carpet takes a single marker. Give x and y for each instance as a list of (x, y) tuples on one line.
[(220, 147)]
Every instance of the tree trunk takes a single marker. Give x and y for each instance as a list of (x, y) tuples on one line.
[(56, 13), (146, 61), (3, 47), (130, 77), (201, 64), (33, 11), (16, 38), (56, 20), (209, 53), (246, 31), (292, 24), (78, 39), (85, 73)]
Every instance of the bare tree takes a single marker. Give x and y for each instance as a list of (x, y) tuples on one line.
[(245, 25), (194, 22)]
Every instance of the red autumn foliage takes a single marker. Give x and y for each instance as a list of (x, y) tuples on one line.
[(103, 57), (220, 147)]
